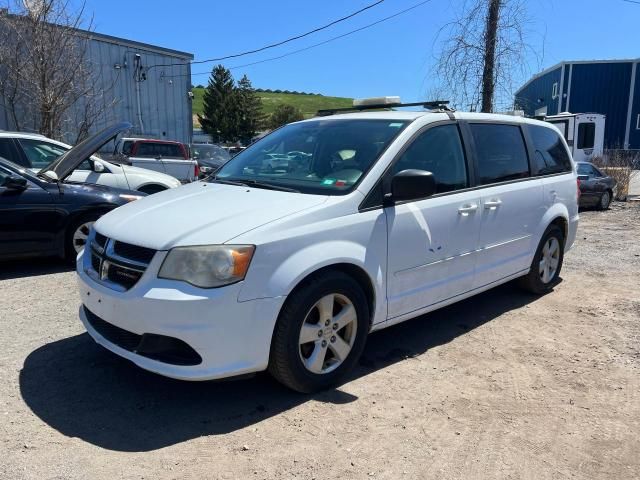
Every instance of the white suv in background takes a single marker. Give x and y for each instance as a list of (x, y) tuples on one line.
[(36, 152), (387, 216)]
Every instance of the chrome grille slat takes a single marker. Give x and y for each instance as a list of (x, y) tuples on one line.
[(116, 269)]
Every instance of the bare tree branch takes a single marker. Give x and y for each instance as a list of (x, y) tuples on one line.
[(482, 51), (47, 82)]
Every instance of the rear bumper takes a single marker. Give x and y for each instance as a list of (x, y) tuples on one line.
[(230, 337), (572, 232)]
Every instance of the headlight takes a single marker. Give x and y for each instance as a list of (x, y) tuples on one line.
[(207, 266), (130, 198)]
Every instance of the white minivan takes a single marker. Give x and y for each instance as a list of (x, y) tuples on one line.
[(385, 216)]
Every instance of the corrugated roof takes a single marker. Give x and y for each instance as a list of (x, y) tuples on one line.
[(568, 62), (124, 41)]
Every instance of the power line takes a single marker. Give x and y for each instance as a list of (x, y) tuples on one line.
[(277, 44), (316, 44)]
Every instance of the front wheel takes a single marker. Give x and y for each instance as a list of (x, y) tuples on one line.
[(320, 333), (547, 262), (76, 237)]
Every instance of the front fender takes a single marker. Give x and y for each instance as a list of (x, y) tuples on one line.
[(295, 268)]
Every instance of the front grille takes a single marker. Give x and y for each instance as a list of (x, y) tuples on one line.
[(95, 262), (100, 239), (156, 347), (123, 276), (118, 263), (133, 252)]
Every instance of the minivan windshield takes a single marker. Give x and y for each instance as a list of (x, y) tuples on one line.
[(325, 157)]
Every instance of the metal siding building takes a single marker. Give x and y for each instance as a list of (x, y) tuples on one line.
[(165, 104), (610, 87)]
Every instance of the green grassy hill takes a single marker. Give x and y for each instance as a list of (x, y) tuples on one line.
[(308, 104)]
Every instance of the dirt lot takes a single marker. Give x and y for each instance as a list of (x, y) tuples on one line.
[(504, 385)]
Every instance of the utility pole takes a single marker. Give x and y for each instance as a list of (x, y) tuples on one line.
[(489, 70)]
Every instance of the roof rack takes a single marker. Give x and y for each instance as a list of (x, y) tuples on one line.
[(435, 105)]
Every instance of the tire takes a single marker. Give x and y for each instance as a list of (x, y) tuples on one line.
[(540, 282), (605, 200), (310, 366), (151, 189), (75, 238)]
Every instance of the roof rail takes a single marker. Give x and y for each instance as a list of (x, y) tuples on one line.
[(435, 105)]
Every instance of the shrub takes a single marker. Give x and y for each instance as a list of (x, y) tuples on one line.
[(619, 165)]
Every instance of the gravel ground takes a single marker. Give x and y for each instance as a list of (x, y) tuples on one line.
[(503, 385)]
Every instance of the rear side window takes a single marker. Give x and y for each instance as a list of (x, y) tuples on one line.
[(550, 154), (8, 151), (165, 150), (439, 151), (586, 135), (500, 151), (126, 147)]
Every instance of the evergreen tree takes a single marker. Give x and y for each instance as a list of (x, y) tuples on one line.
[(284, 114), (219, 117), (249, 105)]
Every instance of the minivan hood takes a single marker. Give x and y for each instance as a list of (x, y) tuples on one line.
[(68, 161), (200, 214)]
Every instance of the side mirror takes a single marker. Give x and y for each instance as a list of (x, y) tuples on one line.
[(412, 184), (14, 182), (583, 178), (98, 166)]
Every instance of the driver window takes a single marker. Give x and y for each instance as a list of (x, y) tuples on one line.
[(439, 151)]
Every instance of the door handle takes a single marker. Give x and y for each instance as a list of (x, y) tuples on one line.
[(492, 204), (468, 208)]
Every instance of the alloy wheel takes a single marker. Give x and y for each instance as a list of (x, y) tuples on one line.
[(550, 260), (328, 333), (80, 236)]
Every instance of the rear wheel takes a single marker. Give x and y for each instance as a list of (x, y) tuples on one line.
[(605, 201), (547, 262), (320, 333)]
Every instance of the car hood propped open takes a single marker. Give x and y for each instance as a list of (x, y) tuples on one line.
[(68, 161)]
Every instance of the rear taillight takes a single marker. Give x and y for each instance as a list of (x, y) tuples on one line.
[(578, 186), (196, 170)]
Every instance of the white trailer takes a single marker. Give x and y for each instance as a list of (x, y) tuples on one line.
[(584, 133)]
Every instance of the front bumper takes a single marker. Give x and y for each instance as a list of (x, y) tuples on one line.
[(231, 337)]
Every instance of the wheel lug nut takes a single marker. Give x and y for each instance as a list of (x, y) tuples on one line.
[(335, 326), (324, 343), (327, 323), (333, 339), (319, 333)]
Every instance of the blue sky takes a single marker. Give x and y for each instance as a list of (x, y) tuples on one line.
[(393, 58)]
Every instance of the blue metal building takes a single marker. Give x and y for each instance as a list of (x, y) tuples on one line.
[(610, 87)]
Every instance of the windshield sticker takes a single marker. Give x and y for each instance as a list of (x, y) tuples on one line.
[(341, 183), (395, 125), (328, 181)]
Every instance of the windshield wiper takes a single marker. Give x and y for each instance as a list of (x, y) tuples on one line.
[(269, 186), (228, 182), (254, 183)]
